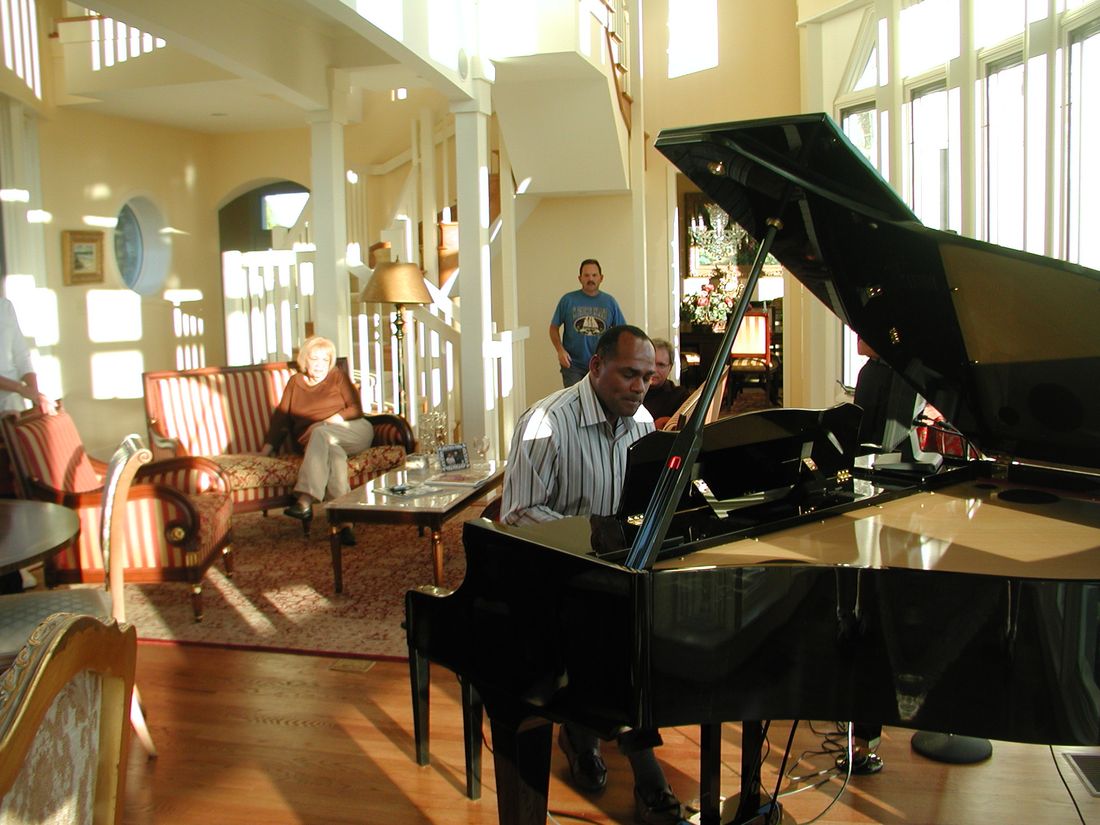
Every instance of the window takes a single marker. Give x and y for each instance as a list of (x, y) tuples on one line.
[(860, 124), (128, 246), (142, 251), (283, 209), (1021, 88), (995, 21), (1005, 159), (929, 169), (1083, 196), (868, 78), (692, 36), (19, 42), (928, 35)]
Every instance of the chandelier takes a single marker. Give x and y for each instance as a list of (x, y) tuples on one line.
[(716, 245)]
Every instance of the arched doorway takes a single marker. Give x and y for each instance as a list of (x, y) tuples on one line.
[(267, 272)]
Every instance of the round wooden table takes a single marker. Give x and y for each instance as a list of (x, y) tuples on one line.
[(31, 531)]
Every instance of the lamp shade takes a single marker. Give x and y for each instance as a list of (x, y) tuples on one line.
[(396, 283)]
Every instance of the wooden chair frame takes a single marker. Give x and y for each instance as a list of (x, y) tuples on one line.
[(59, 649)]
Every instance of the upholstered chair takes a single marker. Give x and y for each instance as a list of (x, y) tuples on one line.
[(63, 708), (21, 612), (177, 513)]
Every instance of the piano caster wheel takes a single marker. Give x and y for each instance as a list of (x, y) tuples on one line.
[(865, 764)]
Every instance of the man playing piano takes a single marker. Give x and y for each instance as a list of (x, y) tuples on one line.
[(558, 466)]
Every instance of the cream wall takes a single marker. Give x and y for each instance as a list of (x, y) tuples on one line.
[(757, 76), (91, 165), (240, 162), (551, 243)]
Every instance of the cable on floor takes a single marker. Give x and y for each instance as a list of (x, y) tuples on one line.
[(847, 777)]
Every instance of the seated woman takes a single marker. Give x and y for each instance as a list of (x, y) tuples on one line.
[(321, 413)]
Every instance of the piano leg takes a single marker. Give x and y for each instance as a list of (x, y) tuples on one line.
[(710, 774), (749, 808), (471, 737), (420, 679), (521, 756)]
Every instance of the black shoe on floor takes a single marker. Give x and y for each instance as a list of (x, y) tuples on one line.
[(586, 768), (347, 536), (655, 806), (300, 512)]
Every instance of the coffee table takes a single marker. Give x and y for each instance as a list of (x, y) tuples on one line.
[(373, 503)]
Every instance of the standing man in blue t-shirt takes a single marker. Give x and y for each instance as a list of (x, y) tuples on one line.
[(586, 314)]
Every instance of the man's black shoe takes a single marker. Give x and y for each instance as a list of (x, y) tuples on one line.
[(302, 513), (657, 806), (586, 768), (347, 537)]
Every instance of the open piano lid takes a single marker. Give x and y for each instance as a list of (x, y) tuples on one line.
[(1005, 344)]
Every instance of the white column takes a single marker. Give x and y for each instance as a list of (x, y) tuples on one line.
[(330, 275), (511, 337), (475, 313), (428, 202)]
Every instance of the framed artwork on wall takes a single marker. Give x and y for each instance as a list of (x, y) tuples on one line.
[(82, 257)]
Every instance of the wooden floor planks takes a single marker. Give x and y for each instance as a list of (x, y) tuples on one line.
[(247, 738)]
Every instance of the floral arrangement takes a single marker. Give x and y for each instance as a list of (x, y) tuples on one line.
[(712, 303)]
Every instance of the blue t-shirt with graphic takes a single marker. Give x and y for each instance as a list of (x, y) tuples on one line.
[(585, 319)]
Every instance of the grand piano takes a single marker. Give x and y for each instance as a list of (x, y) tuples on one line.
[(770, 577)]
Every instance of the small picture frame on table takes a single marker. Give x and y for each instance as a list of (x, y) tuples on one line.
[(82, 257), (453, 457)]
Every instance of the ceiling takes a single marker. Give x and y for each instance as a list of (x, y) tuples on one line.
[(205, 83)]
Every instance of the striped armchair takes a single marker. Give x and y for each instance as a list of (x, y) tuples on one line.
[(178, 511), (222, 413)]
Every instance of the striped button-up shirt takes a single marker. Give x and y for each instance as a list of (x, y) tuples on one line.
[(567, 459)]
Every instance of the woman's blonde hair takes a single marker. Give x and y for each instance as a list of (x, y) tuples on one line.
[(315, 342)]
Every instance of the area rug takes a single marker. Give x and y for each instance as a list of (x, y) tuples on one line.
[(281, 594)]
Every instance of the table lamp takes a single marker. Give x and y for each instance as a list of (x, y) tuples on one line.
[(401, 285)]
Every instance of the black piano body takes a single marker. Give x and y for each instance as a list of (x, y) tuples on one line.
[(955, 609), (967, 602)]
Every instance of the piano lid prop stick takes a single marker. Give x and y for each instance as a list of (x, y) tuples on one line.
[(685, 448)]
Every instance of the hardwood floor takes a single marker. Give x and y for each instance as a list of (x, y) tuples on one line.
[(266, 738)]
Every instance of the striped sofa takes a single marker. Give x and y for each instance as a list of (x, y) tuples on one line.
[(177, 512), (222, 413)]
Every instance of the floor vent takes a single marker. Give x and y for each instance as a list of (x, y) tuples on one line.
[(1087, 767)]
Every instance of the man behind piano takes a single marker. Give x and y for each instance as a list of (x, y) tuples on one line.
[(559, 466)]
